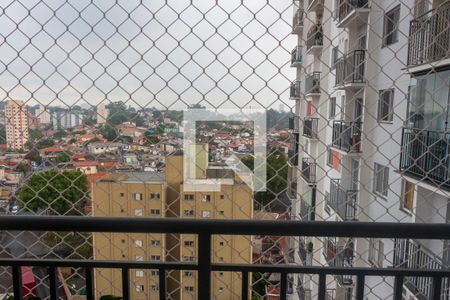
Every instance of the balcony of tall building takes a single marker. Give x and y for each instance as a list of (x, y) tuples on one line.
[(297, 21), (314, 39), (315, 5), (312, 84), (309, 170), (346, 136), (429, 38), (296, 57), (342, 200), (339, 253), (352, 13), (294, 90), (350, 70), (310, 127)]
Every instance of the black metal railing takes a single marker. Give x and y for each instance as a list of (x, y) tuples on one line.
[(411, 254), (310, 127), (298, 17), (350, 68), (331, 294), (342, 201), (425, 154), (429, 36), (294, 91), (309, 170), (347, 136), (314, 36), (296, 55), (339, 256), (205, 229), (312, 83), (293, 123), (345, 7)]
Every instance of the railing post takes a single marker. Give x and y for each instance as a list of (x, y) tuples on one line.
[(17, 282), (204, 265)]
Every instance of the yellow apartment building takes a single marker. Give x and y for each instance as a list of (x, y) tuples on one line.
[(133, 194)]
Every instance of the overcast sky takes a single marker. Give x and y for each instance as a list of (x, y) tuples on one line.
[(162, 53)]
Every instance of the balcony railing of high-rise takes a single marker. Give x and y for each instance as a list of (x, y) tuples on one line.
[(350, 68), (425, 155), (429, 36), (339, 256), (345, 7), (309, 170), (411, 254), (314, 36), (340, 259), (343, 201), (296, 55), (312, 83), (297, 20), (294, 91), (346, 136), (310, 127)]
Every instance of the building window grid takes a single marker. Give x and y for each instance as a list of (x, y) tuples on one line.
[(386, 106), (390, 26), (381, 180)]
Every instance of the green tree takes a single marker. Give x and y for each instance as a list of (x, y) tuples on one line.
[(60, 134), (63, 157), (33, 155), (35, 134), (44, 143), (22, 167), (59, 193), (109, 132)]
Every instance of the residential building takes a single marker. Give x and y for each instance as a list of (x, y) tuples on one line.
[(44, 116), (16, 123), (151, 194), (353, 100), (102, 114)]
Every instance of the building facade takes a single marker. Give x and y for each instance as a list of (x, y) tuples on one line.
[(44, 116), (371, 92), (16, 123), (149, 194)]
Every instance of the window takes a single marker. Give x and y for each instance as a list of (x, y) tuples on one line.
[(386, 105), (222, 197), (221, 243), (329, 157), (189, 288), (407, 199), (122, 194), (138, 212), (138, 243), (221, 212), (332, 112), (220, 289), (188, 197), (155, 211), (123, 241), (334, 56), (137, 196), (139, 273), (206, 198), (155, 288), (155, 257), (155, 196), (188, 258), (139, 258), (376, 252), (220, 274), (189, 243), (188, 273), (155, 242), (139, 288), (189, 212), (390, 26), (206, 214), (154, 273), (381, 180)]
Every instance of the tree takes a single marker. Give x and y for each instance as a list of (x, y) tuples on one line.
[(33, 155), (63, 157), (59, 134), (58, 193), (109, 132), (35, 134), (22, 167), (44, 143)]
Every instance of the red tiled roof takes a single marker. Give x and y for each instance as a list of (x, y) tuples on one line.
[(52, 149), (78, 155), (87, 163)]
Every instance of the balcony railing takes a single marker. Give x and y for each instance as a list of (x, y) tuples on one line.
[(429, 36), (410, 254), (343, 201), (310, 127), (314, 37), (339, 256), (425, 154), (347, 136), (297, 19), (312, 83), (295, 89), (296, 55), (345, 7), (205, 230), (309, 170), (350, 68)]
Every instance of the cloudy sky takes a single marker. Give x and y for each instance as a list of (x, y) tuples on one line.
[(161, 53)]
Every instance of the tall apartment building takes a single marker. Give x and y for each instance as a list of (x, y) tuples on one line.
[(147, 194), (372, 82), (16, 123), (102, 114), (43, 115), (62, 120)]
